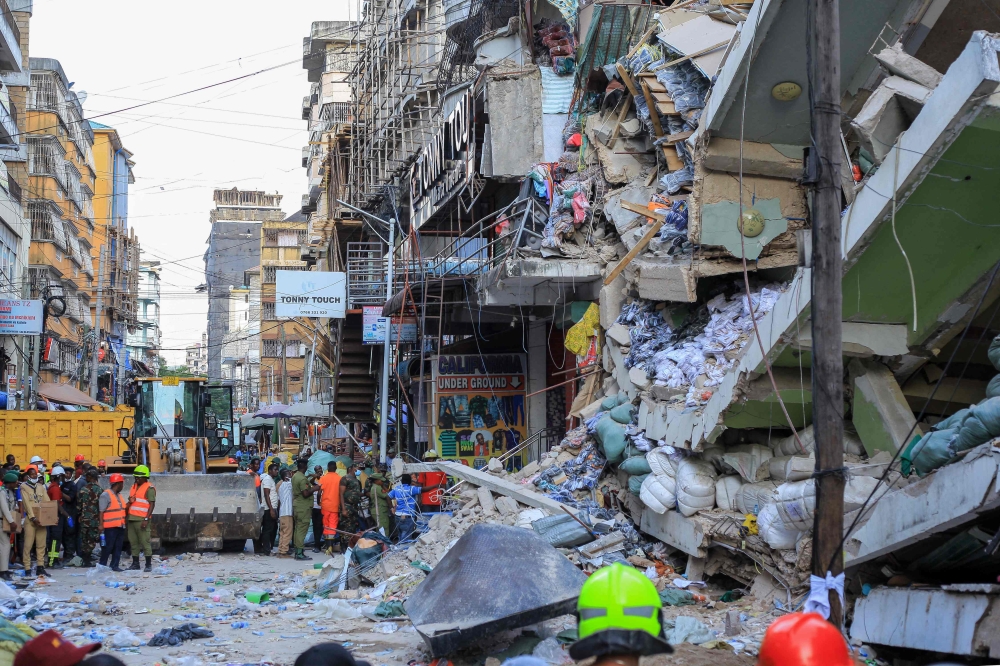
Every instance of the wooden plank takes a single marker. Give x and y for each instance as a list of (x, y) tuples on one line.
[(654, 117), (680, 136), (642, 210), (693, 55), (629, 83), (621, 118), (642, 40), (639, 247), (667, 108)]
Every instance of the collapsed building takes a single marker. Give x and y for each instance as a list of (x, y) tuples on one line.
[(603, 215)]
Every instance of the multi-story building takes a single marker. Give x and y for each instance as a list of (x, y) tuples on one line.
[(15, 229), (196, 357), (59, 204), (144, 343), (233, 248), (240, 346), (120, 279)]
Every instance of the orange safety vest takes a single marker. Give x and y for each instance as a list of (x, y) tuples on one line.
[(140, 505), (256, 478), (115, 515)]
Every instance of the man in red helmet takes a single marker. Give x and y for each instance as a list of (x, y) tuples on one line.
[(78, 469), (803, 639), (112, 508)]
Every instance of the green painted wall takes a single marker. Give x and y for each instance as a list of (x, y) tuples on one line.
[(948, 254), (767, 412)]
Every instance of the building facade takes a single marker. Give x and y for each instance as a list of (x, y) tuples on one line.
[(196, 357), (233, 248), (144, 343)]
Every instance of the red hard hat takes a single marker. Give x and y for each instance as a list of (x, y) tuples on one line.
[(803, 639), (100, 463), (79, 458), (117, 478)]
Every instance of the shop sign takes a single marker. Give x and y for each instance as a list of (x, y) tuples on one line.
[(404, 329), (310, 294), (481, 406), (20, 317), (445, 164)]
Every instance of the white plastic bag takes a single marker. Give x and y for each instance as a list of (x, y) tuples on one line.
[(328, 609), (552, 652), (98, 574), (791, 468), (695, 486), (663, 460), (748, 460), (752, 497), (795, 504), (773, 532), (125, 638), (726, 490), (659, 493)]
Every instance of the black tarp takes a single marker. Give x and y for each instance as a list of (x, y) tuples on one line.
[(493, 579)]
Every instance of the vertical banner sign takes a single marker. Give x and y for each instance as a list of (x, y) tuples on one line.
[(20, 317), (445, 164), (481, 407)]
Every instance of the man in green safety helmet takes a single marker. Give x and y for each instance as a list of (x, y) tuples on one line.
[(141, 500), (619, 618)]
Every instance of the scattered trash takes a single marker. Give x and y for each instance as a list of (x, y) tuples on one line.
[(178, 635), (385, 628)]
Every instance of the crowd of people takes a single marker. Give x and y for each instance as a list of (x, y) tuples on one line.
[(85, 515)]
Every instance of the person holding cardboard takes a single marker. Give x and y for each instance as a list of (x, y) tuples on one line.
[(11, 521), (33, 496)]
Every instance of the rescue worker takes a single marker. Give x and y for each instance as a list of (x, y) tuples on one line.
[(78, 470), (102, 467), (11, 521), (803, 639), (112, 508), (89, 514), (54, 533), (69, 521), (141, 501), (33, 493), (350, 505), (302, 501), (317, 512), (253, 471), (380, 505), (619, 618), (329, 502)]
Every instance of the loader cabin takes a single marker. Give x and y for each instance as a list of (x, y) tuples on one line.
[(182, 425)]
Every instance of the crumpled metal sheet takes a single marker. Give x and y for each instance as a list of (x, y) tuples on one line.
[(495, 578)]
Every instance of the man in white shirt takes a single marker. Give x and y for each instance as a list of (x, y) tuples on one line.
[(269, 496), (285, 514)]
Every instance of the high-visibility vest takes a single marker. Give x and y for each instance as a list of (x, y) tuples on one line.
[(256, 478), (140, 505), (115, 515)]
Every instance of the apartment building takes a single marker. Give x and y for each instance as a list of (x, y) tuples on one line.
[(196, 357), (144, 342)]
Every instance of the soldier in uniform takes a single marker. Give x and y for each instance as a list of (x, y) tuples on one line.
[(350, 505), (88, 509)]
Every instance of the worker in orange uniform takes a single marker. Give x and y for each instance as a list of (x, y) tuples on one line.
[(433, 482), (141, 501), (329, 504), (803, 639), (112, 508)]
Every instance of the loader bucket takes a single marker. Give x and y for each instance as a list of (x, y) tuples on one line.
[(207, 508)]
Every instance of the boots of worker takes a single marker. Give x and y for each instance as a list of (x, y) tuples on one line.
[(88, 562), (40, 571), (135, 564), (149, 564)]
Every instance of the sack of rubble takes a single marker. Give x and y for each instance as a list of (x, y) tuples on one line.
[(611, 436), (726, 490), (791, 468), (635, 483), (771, 529), (695, 486), (636, 465), (658, 492), (713, 453), (624, 414), (795, 503), (752, 497), (788, 446), (993, 388), (955, 420), (980, 426), (994, 352), (613, 401), (747, 460), (663, 460)]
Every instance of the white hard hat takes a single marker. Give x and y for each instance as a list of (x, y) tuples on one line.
[(36, 459), (57, 470)]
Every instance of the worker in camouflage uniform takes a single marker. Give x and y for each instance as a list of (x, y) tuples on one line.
[(89, 515), (350, 505), (380, 505)]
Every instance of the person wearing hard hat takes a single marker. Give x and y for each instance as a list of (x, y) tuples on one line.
[(102, 467), (78, 470), (11, 521), (32, 495), (55, 533), (619, 618), (39, 464), (89, 513), (141, 501), (112, 508), (803, 639)]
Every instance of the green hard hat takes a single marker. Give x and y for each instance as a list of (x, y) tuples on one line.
[(619, 597)]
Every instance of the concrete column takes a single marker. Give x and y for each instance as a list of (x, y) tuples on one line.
[(537, 354), (881, 414)]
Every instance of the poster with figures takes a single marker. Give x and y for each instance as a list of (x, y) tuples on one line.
[(481, 407)]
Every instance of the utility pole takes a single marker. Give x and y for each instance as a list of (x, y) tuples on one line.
[(827, 299), (97, 324), (309, 369), (383, 415), (284, 367)]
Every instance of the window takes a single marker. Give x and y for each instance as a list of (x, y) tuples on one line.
[(8, 257)]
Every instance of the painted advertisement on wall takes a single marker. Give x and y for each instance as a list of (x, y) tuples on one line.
[(481, 407)]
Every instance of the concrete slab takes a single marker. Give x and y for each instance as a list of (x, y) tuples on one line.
[(862, 340), (612, 298), (931, 620), (674, 529), (902, 64), (665, 279), (881, 414), (517, 138)]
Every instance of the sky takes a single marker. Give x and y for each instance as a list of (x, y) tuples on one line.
[(246, 133)]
